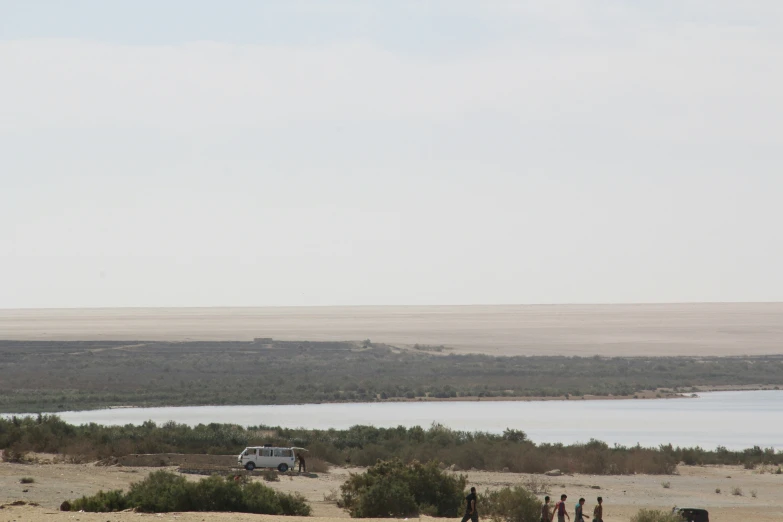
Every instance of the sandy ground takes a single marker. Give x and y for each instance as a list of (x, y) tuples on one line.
[(623, 495), (660, 329)]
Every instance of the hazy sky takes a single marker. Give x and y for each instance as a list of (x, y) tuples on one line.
[(200, 153)]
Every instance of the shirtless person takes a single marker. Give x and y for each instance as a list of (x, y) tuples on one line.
[(598, 511), (545, 515)]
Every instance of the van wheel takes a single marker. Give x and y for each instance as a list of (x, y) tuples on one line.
[(250, 466), (282, 468)]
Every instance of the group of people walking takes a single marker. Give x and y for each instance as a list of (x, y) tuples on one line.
[(560, 510)]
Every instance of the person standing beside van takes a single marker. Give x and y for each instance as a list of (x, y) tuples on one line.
[(562, 510), (302, 463), (470, 510)]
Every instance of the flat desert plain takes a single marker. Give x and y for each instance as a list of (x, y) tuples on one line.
[(623, 495), (624, 330)]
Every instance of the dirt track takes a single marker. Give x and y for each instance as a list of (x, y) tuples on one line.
[(662, 329), (623, 495)]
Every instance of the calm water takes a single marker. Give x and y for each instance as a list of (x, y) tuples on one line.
[(736, 420)]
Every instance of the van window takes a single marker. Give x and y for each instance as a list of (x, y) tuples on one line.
[(266, 452), (288, 453)]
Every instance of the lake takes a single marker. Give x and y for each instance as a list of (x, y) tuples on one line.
[(736, 419)]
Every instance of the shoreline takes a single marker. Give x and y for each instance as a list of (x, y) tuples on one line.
[(662, 394)]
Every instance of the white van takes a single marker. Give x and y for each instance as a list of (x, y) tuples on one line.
[(267, 457)]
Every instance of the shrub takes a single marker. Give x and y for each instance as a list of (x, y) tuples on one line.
[(510, 505), (26, 480), (717, 490), (393, 489), (666, 485), (102, 502), (654, 515), (15, 455), (293, 504), (753, 493), (163, 492), (333, 497), (737, 492)]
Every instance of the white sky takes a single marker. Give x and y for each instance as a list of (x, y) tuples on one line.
[(247, 153)]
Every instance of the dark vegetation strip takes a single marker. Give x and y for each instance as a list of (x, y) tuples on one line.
[(165, 492), (58, 376), (362, 446)]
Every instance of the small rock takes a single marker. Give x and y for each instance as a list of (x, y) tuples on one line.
[(595, 487)]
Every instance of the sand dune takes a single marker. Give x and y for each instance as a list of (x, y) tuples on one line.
[(662, 329)]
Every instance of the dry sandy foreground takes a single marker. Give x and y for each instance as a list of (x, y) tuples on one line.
[(623, 496), (660, 329)]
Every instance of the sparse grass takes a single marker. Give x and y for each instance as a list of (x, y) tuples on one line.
[(654, 515), (666, 485), (270, 475), (333, 496), (316, 465), (753, 493), (536, 484), (737, 492), (27, 480)]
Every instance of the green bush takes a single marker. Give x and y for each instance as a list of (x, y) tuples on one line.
[(654, 515), (102, 502), (393, 489), (163, 492), (361, 445), (13, 454), (293, 504), (510, 505)]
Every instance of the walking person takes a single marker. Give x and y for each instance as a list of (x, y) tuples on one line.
[(471, 512), (545, 515), (578, 515), (302, 463), (598, 511), (562, 510)]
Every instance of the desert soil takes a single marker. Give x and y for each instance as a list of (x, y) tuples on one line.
[(660, 329), (623, 495)]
